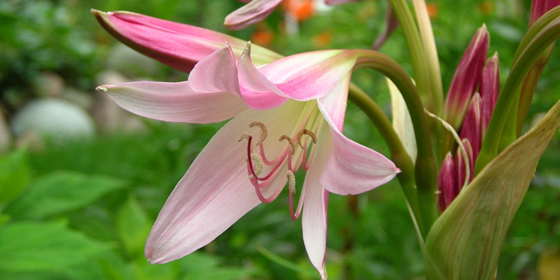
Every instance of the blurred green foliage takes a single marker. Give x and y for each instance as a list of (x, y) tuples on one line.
[(40, 36), (82, 210)]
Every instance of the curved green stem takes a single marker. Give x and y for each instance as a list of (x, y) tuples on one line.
[(398, 152), (425, 167)]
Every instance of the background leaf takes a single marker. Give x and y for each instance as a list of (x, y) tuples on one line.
[(133, 227), (14, 175), (60, 192), (34, 246)]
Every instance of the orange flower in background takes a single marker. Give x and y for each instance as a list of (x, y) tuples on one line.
[(322, 40), (433, 10), (262, 36), (300, 9), (486, 7)]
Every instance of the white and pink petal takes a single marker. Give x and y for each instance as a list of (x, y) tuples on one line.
[(216, 73), (310, 75), (314, 221), (214, 193), (352, 168), (253, 12), (178, 45), (257, 90), (174, 102), (216, 190)]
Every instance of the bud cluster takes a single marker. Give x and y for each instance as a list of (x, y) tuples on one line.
[(469, 105)]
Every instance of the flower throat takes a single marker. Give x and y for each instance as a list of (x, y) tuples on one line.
[(297, 151)]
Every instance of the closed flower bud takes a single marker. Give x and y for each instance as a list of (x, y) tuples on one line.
[(467, 78)]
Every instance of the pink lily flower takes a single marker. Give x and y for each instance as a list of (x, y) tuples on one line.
[(178, 45), (253, 12), (287, 116)]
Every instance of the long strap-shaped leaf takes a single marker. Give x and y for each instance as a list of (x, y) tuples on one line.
[(465, 241)]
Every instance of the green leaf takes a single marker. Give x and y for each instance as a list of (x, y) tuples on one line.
[(4, 219), (61, 192), (34, 246), (33, 276), (202, 266), (14, 175), (133, 227), (466, 240), (113, 266), (143, 270), (287, 263)]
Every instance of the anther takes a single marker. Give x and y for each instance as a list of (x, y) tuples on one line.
[(258, 162), (291, 182), (287, 138), (244, 136), (307, 132), (262, 126)]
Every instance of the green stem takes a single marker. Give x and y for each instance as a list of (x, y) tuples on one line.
[(533, 45), (434, 74), (398, 153), (529, 87), (430, 51), (416, 51), (425, 167)]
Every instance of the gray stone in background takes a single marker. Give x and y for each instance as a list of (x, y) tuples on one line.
[(109, 117), (131, 63), (48, 84), (54, 118)]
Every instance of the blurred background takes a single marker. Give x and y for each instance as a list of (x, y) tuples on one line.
[(81, 180)]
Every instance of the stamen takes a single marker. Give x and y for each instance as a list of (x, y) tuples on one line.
[(291, 182), (251, 167), (256, 163), (287, 138), (305, 161), (259, 193), (262, 126), (294, 213), (308, 132)]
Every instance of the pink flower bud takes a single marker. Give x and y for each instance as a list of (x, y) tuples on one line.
[(447, 182), (540, 7), (391, 24), (177, 45), (461, 167), (472, 126), (489, 89), (467, 78)]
